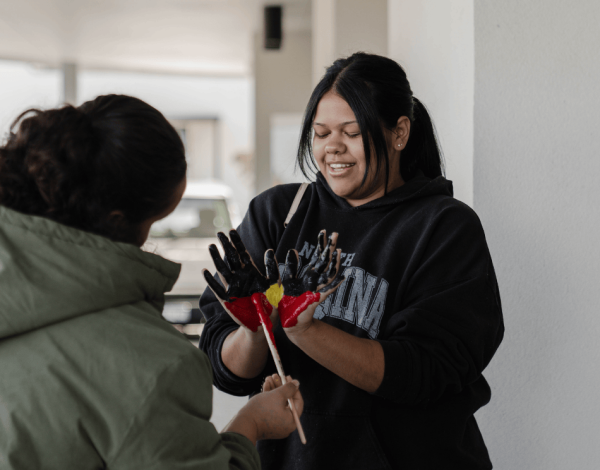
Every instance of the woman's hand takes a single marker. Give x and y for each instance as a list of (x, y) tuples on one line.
[(243, 283), (267, 415), (302, 295)]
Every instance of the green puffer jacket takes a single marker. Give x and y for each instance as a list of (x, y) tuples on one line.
[(91, 375)]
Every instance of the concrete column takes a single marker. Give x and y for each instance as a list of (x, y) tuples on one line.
[(69, 71), (433, 42), (341, 27), (323, 37), (537, 115), (282, 85)]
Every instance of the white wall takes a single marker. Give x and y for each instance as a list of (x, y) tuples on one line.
[(537, 121), (433, 42)]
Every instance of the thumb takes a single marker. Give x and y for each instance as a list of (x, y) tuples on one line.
[(289, 389)]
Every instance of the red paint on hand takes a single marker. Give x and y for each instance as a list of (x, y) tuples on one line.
[(291, 307), (264, 310), (245, 311)]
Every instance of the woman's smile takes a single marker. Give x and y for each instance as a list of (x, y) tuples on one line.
[(339, 169)]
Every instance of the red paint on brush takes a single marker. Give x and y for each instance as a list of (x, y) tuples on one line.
[(291, 307), (264, 309), (243, 309)]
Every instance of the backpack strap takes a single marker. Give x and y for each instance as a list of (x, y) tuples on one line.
[(295, 203)]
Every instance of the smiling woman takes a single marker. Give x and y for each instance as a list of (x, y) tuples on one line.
[(391, 362)]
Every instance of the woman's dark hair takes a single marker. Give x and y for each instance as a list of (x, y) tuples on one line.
[(378, 92), (78, 165)]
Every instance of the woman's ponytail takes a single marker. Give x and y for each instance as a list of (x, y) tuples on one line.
[(422, 151)]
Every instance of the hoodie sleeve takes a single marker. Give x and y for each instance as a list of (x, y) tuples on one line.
[(451, 322), (171, 428), (261, 229)]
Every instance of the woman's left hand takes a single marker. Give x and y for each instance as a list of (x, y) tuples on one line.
[(244, 286), (302, 295)]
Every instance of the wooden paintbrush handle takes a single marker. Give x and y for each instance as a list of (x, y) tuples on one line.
[(283, 382)]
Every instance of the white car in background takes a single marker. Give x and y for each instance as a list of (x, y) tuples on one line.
[(207, 207)]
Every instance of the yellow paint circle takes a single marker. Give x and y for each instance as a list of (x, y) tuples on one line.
[(274, 294)]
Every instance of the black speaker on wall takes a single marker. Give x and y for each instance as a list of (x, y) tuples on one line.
[(273, 30)]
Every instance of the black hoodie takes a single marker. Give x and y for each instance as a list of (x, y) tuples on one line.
[(420, 280)]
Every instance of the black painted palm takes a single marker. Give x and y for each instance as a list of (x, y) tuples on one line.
[(241, 279)]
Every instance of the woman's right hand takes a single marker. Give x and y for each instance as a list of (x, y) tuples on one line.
[(242, 282), (267, 414)]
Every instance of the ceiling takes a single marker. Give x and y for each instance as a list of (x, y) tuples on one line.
[(200, 37)]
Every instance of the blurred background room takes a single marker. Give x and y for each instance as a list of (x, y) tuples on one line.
[(513, 88)]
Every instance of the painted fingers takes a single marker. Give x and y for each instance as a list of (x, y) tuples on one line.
[(320, 274), (271, 267), (241, 280), (302, 292)]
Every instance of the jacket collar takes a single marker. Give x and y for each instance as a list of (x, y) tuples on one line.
[(50, 272)]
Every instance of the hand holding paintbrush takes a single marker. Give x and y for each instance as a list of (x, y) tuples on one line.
[(244, 295)]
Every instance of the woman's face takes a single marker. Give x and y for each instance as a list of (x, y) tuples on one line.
[(339, 152)]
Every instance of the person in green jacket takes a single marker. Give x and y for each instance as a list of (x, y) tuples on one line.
[(92, 376)]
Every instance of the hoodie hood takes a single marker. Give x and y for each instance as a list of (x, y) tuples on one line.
[(418, 187), (50, 273)]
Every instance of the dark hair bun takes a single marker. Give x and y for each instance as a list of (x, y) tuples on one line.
[(78, 165)]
